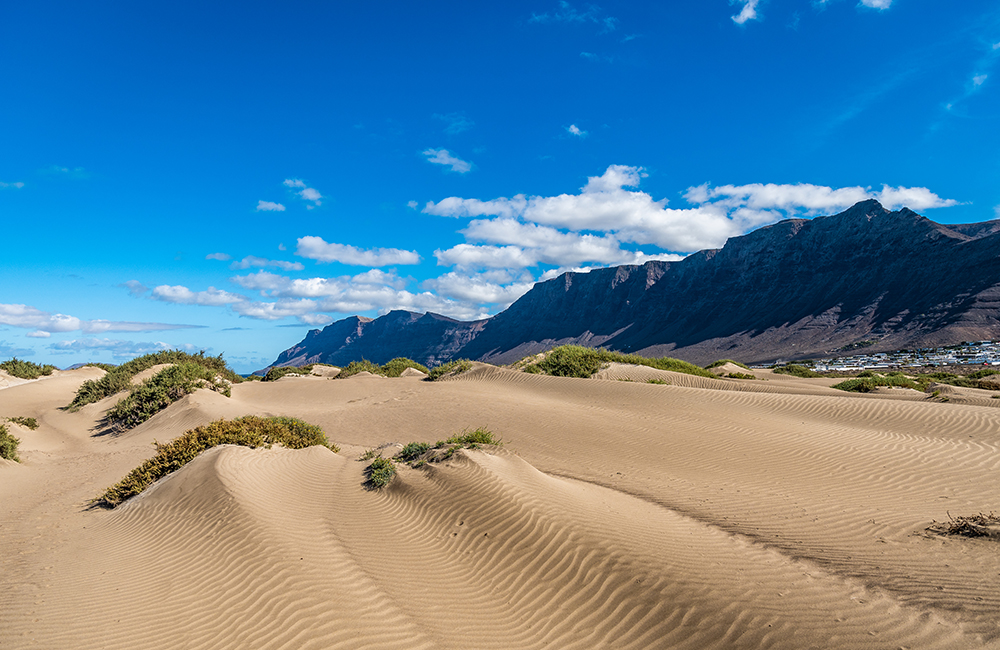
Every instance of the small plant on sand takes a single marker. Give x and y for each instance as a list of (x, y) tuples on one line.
[(27, 423), (248, 431), (740, 375), (380, 473), (662, 382), (419, 454), (451, 368), (412, 450), (25, 369), (371, 453), (275, 373), (796, 370), (119, 378), (355, 367), (160, 391), (8, 445), (722, 362), (980, 525)]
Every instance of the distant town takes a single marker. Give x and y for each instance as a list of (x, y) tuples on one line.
[(979, 353)]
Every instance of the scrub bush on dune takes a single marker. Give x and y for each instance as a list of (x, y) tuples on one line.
[(25, 369), (579, 361), (160, 391), (248, 431), (8, 445)]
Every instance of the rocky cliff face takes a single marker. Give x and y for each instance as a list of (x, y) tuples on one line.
[(795, 289)]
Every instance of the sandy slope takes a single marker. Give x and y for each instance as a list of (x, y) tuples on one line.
[(699, 514)]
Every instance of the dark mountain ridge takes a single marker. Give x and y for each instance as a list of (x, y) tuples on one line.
[(794, 289)]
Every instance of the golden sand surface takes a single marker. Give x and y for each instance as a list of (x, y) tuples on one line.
[(696, 513)]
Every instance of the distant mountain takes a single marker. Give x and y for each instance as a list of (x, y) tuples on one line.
[(799, 288)]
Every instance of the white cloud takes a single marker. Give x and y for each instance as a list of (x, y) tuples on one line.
[(135, 287), (268, 206), (304, 192), (251, 261), (275, 310), (444, 157), (575, 130), (979, 79), (182, 295), (412, 205), (876, 4), (996, 210), (749, 11), (38, 334), (478, 288), (16, 186), (222, 257), (117, 348), (43, 322), (316, 248), (814, 199), (456, 122)]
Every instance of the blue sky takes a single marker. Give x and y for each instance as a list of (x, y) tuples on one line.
[(226, 176)]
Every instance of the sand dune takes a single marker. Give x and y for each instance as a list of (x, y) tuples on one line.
[(619, 514)]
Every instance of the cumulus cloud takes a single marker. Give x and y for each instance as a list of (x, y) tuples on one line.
[(182, 295), (222, 257), (444, 157), (15, 186), (42, 321), (979, 79), (251, 261), (304, 192), (316, 248), (39, 334), (575, 130), (135, 288), (813, 199), (876, 4), (268, 206), (413, 205), (118, 348), (749, 10), (480, 287)]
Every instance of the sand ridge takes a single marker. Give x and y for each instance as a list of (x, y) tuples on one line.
[(619, 514)]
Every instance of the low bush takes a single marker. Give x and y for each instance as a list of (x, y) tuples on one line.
[(869, 384), (740, 375), (160, 391), (380, 473), (25, 369), (248, 431), (423, 452), (795, 370), (456, 367), (412, 450), (106, 367), (28, 423), (275, 373), (393, 368), (119, 378), (985, 372), (8, 445), (579, 361), (662, 382), (722, 362)]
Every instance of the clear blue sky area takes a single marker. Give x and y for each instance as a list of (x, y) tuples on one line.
[(226, 176)]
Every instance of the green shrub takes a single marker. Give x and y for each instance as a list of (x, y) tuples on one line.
[(380, 473), (869, 384), (106, 367), (533, 369), (412, 450), (659, 381), (480, 436), (248, 431), (25, 369), (395, 367), (722, 362), (8, 445), (28, 423), (867, 373), (119, 378), (985, 372), (355, 367), (160, 391), (456, 367), (253, 378), (579, 361), (740, 375), (795, 370), (275, 373)]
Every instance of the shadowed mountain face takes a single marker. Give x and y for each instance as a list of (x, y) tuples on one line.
[(796, 289)]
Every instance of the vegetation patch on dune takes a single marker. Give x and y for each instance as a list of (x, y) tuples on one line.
[(871, 383), (160, 391), (795, 370), (976, 379), (580, 361), (8, 444), (450, 369), (27, 423), (722, 362), (380, 473), (106, 367), (393, 368), (275, 373), (741, 375), (25, 369), (119, 378), (248, 431)]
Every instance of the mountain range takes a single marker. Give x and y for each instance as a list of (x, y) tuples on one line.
[(799, 288)]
